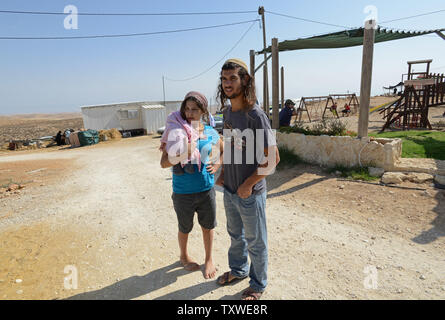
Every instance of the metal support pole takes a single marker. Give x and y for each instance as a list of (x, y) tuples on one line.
[(365, 88), (282, 87), (440, 34), (275, 85)]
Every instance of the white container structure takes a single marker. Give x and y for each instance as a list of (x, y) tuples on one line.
[(128, 116), (153, 117)]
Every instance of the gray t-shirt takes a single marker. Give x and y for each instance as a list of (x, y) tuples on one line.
[(244, 149)]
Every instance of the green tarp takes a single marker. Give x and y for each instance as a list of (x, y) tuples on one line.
[(347, 38), (88, 137)]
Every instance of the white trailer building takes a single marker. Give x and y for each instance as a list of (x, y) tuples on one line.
[(137, 117)]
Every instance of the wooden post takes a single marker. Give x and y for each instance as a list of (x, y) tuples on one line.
[(252, 63), (265, 74), (275, 85), (282, 87), (365, 88)]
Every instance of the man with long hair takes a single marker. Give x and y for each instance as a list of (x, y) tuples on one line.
[(251, 155)]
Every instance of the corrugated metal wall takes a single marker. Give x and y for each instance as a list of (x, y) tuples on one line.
[(153, 117)]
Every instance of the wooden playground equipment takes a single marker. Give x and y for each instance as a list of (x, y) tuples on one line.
[(316, 107), (411, 109)]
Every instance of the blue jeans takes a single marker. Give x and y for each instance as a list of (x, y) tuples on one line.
[(246, 225)]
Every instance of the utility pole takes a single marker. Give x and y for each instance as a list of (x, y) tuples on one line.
[(163, 88), (265, 76)]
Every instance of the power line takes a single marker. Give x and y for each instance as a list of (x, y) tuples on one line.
[(308, 20), (208, 69), (127, 35), (418, 15), (125, 14)]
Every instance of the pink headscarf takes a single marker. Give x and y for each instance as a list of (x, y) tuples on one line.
[(198, 96)]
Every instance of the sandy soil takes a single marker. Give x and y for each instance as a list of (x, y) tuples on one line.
[(106, 210)]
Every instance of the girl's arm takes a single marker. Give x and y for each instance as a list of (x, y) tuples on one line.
[(212, 168)]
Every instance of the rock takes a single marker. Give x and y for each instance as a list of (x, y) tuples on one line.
[(19, 291), (13, 187), (399, 291), (420, 177), (426, 194), (376, 172), (393, 177), (439, 179), (342, 186), (18, 280), (422, 277)]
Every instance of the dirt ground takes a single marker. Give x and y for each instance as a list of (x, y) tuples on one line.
[(34, 126), (106, 211)]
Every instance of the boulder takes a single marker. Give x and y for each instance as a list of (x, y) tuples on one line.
[(439, 179), (393, 177), (376, 172), (420, 177)]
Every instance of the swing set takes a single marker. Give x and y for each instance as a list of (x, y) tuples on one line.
[(316, 107)]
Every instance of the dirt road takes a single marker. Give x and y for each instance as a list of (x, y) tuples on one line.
[(106, 212)]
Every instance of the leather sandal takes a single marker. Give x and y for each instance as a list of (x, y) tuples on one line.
[(225, 279)]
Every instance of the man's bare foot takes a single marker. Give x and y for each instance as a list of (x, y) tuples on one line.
[(209, 270), (189, 264)]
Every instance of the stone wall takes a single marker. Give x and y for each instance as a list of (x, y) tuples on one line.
[(346, 151)]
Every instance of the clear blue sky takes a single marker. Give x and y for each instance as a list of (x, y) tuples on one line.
[(61, 75)]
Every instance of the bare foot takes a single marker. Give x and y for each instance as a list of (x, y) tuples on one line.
[(189, 264), (209, 270)]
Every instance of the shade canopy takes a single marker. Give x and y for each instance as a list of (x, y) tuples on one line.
[(347, 38)]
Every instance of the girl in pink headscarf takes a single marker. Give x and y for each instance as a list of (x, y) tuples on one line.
[(186, 146)]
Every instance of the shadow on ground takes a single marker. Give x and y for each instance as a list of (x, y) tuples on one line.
[(138, 286), (438, 224)]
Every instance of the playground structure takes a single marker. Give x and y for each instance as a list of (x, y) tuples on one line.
[(316, 107), (365, 36), (411, 109)]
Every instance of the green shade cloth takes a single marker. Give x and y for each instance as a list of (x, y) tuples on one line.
[(347, 38)]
